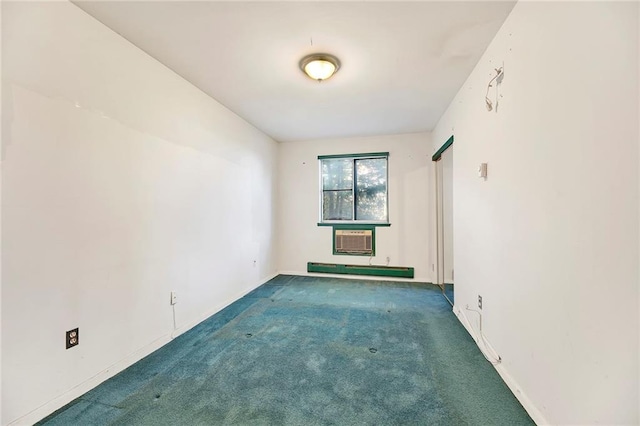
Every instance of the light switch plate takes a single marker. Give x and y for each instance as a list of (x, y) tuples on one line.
[(482, 170)]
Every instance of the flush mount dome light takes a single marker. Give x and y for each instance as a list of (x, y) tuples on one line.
[(319, 66)]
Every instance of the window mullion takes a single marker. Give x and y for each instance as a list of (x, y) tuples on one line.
[(353, 189)]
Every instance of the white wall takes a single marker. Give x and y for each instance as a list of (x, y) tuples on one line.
[(550, 239), (121, 182), (406, 241)]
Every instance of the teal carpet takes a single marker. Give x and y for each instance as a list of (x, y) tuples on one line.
[(311, 351)]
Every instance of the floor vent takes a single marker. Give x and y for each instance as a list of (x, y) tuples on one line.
[(380, 271)]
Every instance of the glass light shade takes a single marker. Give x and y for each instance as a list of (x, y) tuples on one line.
[(319, 66), (319, 69)]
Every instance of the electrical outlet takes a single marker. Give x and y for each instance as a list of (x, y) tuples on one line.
[(72, 338), (174, 297), (479, 301)]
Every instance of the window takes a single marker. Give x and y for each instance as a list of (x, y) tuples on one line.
[(354, 188)]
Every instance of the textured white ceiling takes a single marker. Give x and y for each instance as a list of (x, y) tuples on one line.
[(402, 62)]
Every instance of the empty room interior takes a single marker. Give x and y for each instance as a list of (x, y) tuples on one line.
[(316, 212)]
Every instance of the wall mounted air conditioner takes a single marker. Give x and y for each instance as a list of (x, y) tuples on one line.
[(348, 241)]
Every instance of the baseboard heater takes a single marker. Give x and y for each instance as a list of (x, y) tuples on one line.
[(380, 271)]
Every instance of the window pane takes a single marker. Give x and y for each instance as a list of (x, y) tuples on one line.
[(337, 205), (371, 188), (337, 174)]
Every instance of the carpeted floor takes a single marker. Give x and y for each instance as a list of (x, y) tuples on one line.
[(311, 351)]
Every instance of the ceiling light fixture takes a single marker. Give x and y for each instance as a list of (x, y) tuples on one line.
[(319, 66)]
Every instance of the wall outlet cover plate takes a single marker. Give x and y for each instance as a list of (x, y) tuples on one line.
[(72, 338)]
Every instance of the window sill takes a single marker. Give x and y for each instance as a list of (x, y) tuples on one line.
[(354, 224)]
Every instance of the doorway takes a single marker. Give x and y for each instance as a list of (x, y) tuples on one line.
[(443, 159)]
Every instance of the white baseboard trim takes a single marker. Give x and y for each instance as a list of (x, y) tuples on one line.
[(356, 277), (82, 388), (508, 379)]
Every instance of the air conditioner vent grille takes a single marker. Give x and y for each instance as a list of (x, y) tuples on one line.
[(354, 241)]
